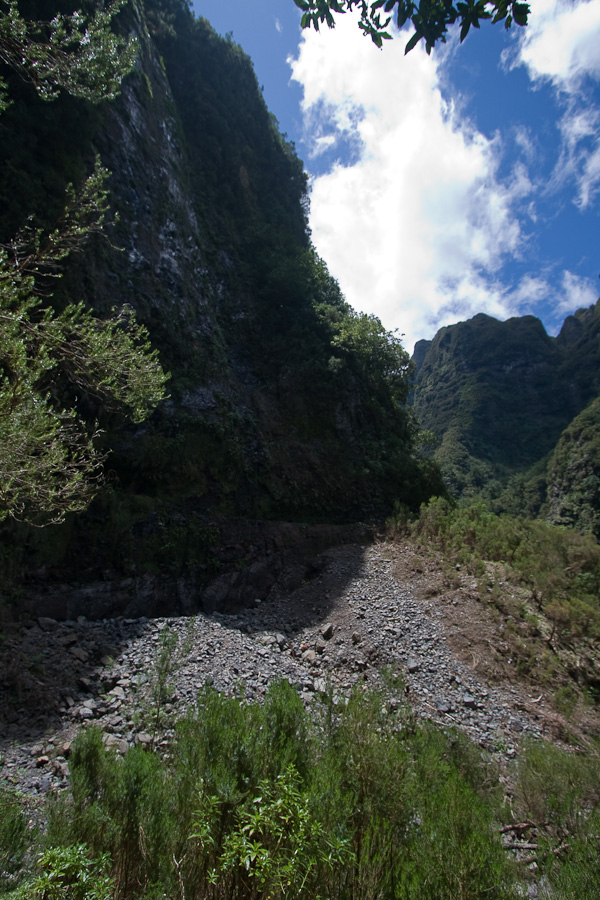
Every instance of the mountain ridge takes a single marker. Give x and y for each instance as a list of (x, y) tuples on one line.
[(498, 396)]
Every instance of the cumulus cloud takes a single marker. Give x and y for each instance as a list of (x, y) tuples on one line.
[(416, 224), (577, 293), (564, 293), (561, 42)]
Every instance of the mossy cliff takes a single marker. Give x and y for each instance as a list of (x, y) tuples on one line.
[(515, 413), (271, 415)]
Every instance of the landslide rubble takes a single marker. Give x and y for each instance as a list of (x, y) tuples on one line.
[(368, 608)]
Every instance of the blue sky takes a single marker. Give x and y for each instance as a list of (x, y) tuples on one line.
[(443, 186)]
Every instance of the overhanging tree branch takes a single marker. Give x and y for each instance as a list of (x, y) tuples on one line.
[(75, 53), (430, 18)]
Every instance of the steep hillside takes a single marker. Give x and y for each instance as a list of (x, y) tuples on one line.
[(574, 473), (499, 395), (284, 404)]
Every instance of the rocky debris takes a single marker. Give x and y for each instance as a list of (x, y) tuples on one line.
[(133, 676)]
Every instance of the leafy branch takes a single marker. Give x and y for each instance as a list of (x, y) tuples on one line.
[(49, 464), (79, 54), (430, 18)]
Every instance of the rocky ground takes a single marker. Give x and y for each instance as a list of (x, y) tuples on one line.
[(368, 607)]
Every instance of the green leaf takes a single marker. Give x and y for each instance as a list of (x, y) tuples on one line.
[(520, 13), (412, 42), (403, 15)]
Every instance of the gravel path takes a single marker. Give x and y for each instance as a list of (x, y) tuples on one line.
[(354, 617)]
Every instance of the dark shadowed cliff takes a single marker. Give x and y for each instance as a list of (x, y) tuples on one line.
[(284, 404)]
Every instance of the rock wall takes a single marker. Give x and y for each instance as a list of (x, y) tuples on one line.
[(250, 561)]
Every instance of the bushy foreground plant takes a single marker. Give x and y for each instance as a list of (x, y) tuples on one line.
[(66, 873), (13, 837), (559, 794), (276, 846), (354, 801)]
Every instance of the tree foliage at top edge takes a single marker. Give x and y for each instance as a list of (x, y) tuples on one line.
[(430, 18)]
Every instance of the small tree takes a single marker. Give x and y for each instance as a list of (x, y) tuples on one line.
[(49, 464), (49, 359)]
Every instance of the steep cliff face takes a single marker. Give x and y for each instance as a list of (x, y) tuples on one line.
[(498, 395), (268, 417)]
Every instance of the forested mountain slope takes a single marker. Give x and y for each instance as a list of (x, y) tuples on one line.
[(283, 403), (515, 413)]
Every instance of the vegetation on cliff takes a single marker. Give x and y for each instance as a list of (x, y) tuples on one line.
[(509, 407), (574, 473)]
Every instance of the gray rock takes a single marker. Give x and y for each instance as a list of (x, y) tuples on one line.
[(327, 631), (117, 692)]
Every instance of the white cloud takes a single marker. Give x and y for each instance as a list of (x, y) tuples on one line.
[(563, 293), (580, 153), (278, 26), (561, 42), (416, 226), (577, 292)]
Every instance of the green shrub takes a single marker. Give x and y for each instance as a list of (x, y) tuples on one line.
[(354, 801), (277, 846), (14, 837), (69, 874), (560, 567), (556, 786), (577, 874)]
